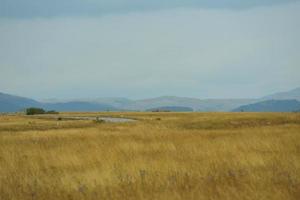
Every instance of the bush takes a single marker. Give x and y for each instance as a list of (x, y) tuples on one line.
[(38, 111), (35, 111)]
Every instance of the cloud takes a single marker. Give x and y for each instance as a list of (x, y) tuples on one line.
[(187, 52), (46, 8)]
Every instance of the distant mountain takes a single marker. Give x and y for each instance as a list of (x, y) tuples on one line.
[(112, 101), (78, 107), (194, 103), (292, 94), (271, 106), (11, 103), (171, 109), (115, 102)]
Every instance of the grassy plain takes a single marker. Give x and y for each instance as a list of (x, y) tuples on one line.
[(163, 156)]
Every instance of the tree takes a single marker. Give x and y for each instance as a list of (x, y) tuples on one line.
[(35, 111)]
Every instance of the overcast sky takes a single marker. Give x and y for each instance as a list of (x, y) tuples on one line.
[(139, 49)]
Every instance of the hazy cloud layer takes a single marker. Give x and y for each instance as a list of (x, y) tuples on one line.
[(50, 8), (185, 52)]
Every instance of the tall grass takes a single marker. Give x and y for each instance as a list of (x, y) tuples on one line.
[(181, 156)]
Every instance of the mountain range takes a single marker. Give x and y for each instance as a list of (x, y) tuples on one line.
[(292, 94), (11, 103), (271, 106), (278, 102)]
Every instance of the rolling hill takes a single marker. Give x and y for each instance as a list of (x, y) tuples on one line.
[(11, 103), (194, 103), (78, 107), (271, 106), (282, 101), (292, 94), (171, 109)]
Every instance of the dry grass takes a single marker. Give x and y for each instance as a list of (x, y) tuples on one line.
[(162, 156)]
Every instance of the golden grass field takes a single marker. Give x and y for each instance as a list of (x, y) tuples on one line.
[(224, 156)]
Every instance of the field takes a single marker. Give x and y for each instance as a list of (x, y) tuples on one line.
[(224, 156)]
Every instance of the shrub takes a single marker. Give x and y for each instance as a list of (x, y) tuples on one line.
[(35, 111)]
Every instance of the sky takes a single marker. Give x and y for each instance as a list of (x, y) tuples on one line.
[(140, 49)]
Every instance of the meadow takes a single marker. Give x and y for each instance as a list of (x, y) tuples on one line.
[(162, 156)]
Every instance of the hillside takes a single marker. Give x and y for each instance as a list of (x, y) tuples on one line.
[(194, 103), (271, 106), (171, 109), (11, 103), (164, 101), (292, 94), (78, 107)]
